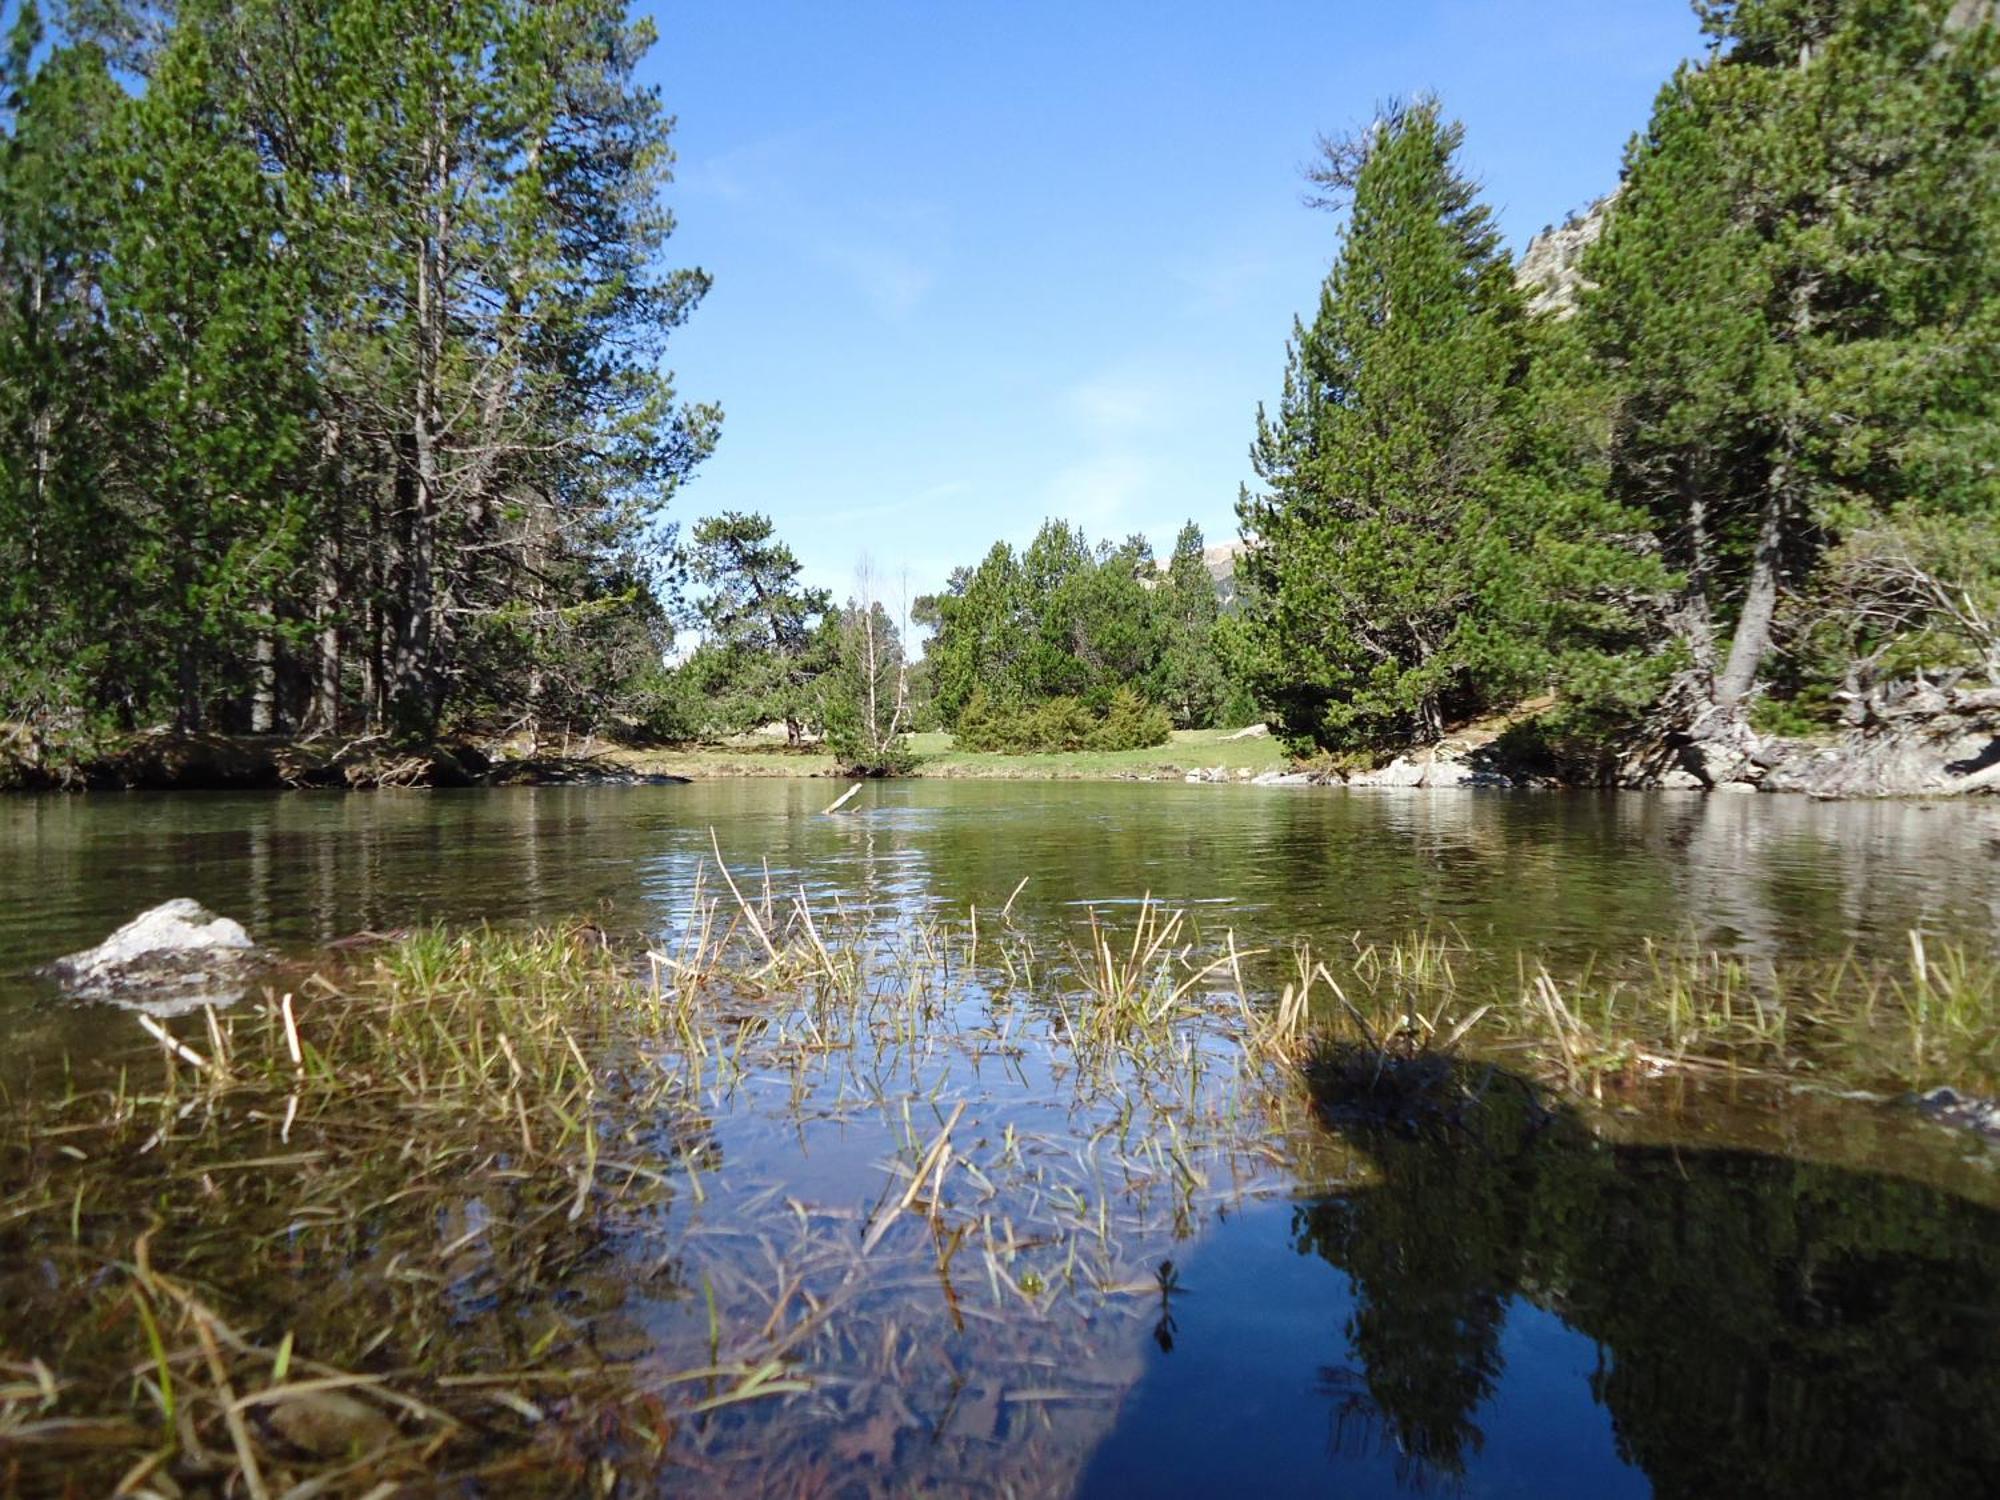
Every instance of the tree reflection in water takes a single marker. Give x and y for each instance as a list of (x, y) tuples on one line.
[(1762, 1326)]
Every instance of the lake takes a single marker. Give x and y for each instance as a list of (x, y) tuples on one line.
[(1564, 875), (1755, 1291)]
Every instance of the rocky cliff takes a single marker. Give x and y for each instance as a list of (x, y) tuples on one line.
[(1549, 272)]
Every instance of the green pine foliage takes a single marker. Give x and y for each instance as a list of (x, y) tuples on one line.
[(1126, 722), (63, 660), (330, 369), (332, 401), (1192, 681), (864, 695), (1068, 620), (766, 639), (1426, 545), (1795, 304)]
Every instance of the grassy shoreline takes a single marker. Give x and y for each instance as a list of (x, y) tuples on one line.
[(164, 761), (938, 759)]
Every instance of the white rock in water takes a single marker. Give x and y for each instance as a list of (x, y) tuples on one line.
[(1282, 778), (172, 958), (1402, 771), (1449, 773)]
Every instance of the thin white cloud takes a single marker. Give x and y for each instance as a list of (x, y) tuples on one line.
[(777, 188), (1135, 395), (930, 495), (1118, 403), (1222, 280), (758, 171), (1098, 491), (892, 281)]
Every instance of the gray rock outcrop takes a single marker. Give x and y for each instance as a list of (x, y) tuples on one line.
[(1549, 272), (1283, 778), (1921, 739), (1445, 765), (1928, 741)]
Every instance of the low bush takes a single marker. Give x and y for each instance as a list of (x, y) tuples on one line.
[(1126, 722)]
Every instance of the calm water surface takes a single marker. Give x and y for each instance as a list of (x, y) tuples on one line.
[(1560, 875), (1519, 1304)]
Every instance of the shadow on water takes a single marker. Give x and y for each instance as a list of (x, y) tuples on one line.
[(1514, 1306)]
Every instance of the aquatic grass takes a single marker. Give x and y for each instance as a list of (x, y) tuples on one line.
[(1681, 1011), (542, 1212), (429, 1132), (435, 1182)]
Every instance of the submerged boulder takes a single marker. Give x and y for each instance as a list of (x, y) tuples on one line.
[(1963, 1111), (329, 1424), (173, 958)]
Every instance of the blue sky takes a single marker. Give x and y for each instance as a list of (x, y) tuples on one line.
[(978, 263)]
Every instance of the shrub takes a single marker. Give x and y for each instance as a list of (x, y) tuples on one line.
[(855, 755), (1126, 722), (1061, 724), (986, 725), (1130, 723)]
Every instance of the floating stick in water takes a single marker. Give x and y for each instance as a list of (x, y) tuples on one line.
[(842, 800)]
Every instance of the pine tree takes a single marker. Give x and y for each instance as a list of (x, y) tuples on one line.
[(61, 551), (1795, 300), (765, 645), (865, 693), (979, 638), (1065, 619), (1190, 671), (494, 314), (1421, 550), (331, 354), (204, 298), (1055, 569)]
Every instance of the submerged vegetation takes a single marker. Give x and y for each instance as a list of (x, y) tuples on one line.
[(510, 1201), (792, 1192)]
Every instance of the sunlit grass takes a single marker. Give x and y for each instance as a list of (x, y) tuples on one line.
[(939, 756)]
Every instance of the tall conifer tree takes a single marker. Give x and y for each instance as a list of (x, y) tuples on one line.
[(1796, 303), (1423, 549)]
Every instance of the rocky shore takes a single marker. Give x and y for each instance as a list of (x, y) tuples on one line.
[(1923, 740)]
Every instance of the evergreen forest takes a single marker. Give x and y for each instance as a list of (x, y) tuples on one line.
[(332, 382)]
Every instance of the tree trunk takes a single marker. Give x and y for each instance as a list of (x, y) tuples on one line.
[(1697, 616), (264, 677), (874, 723), (374, 664), (1752, 640), (324, 711), (414, 687), (187, 662), (187, 677), (409, 682), (41, 430)]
